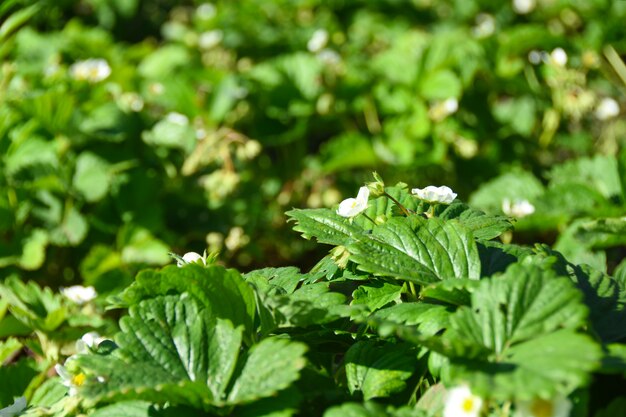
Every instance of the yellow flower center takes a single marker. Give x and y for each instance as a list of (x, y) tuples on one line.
[(78, 380), (468, 404), (542, 408)]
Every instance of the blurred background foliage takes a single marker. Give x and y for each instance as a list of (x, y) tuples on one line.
[(203, 123)]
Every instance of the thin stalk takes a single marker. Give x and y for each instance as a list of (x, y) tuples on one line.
[(412, 289), (368, 218), (404, 210)]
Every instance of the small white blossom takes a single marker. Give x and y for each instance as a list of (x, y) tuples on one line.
[(443, 109), (79, 294), (177, 118), (556, 407), (558, 57), (350, 207), (210, 39), (524, 6), (607, 109), (432, 194), (318, 41), (191, 258), (73, 382), (15, 409), (460, 402), (485, 25), (329, 57), (92, 70), (535, 57), (206, 11), (89, 341), (517, 208)]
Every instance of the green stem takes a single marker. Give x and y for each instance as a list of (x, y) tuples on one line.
[(404, 210), (369, 218), (412, 289)]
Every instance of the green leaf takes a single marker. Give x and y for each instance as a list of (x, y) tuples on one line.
[(440, 85), (286, 278), (378, 370), (34, 250), (427, 318), (49, 393), (38, 308), (419, 250), (140, 246), (172, 351), (15, 378), (599, 172), (544, 366), (271, 366), (376, 294), (325, 225), (522, 304), (371, 409), (606, 300), (527, 319), (456, 292), (9, 347), (126, 409), (311, 304), (617, 407), (482, 225), (92, 177), (223, 292), (496, 257), (519, 185)]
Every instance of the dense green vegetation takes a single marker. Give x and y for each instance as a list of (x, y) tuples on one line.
[(135, 132)]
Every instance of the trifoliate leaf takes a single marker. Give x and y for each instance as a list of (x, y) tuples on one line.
[(527, 319), (419, 250), (378, 370), (171, 350), (522, 304)]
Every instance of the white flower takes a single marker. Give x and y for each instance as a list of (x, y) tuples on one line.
[(191, 258), (329, 57), (73, 382), (350, 207), (443, 109), (14, 409), (558, 57), (79, 294), (607, 109), (460, 402), (206, 11), (556, 407), (432, 194), (210, 39), (517, 208), (318, 41), (177, 119), (89, 341), (485, 25), (524, 6), (535, 57), (92, 70)]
